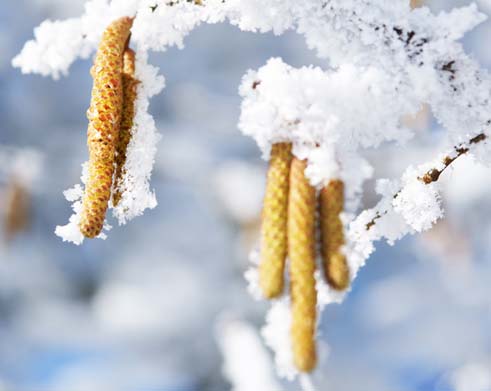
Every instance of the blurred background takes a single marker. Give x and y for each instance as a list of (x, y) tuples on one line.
[(162, 303)]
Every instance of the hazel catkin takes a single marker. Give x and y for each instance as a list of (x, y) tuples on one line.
[(104, 116), (331, 202), (274, 246), (128, 113), (301, 252)]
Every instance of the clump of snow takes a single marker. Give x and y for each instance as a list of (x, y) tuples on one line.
[(71, 231), (57, 44), (157, 28), (418, 202), (49, 54), (310, 106), (136, 195), (325, 294)]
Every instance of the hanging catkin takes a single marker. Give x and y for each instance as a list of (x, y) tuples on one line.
[(129, 96), (301, 251), (274, 244), (104, 116), (331, 202)]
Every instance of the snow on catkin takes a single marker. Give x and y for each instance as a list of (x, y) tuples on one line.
[(274, 245), (128, 113)]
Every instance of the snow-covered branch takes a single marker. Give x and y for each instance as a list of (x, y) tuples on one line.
[(433, 174)]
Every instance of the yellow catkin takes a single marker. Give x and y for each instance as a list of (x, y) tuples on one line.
[(274, 246), (331, 202), (301, 252), (127, 116), (16, 210), (104, 116)]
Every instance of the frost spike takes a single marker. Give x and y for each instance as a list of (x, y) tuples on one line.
[(129, 96), (301, 251), (104, 116), (274, 244), (331, 202)]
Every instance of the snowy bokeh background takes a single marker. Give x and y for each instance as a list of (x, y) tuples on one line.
[(162, 303)]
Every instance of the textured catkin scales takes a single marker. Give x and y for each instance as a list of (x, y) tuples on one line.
[(129, 96), (301, 252), (104, 116), (331, 204), (274, 246)]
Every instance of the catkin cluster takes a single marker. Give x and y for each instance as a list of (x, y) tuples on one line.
[(110, 117), (289, 230)]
